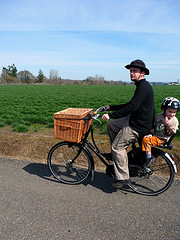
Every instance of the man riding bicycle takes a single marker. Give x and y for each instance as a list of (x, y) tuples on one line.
[(131, 120)]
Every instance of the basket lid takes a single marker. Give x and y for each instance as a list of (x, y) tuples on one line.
[(73, 113)]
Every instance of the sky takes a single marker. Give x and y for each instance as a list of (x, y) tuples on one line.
[(81, 38)]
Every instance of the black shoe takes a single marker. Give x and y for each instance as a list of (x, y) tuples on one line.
[(108, 156), (148, 162), (119, 184)]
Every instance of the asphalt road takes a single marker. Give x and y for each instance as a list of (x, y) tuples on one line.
[(35, 206)]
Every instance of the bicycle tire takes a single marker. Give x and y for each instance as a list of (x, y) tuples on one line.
[(61, 166), (158, 180)]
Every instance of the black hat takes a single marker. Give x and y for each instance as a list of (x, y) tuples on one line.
[(138, 64)]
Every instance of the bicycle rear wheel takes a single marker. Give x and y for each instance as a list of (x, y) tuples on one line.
[(157, 180), (66, 165)]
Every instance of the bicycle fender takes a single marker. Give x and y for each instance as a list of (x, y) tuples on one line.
[(173, 163), (168, 156)]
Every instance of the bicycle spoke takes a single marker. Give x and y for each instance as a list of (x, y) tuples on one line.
[(66, 165), (157, 180)]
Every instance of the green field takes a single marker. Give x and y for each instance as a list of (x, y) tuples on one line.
[(25, 106)]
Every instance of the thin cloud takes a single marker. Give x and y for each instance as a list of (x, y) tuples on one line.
[(82, 37), (95, 15)]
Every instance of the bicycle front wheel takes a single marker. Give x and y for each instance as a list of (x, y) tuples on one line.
[(66, 165), (157, 180)]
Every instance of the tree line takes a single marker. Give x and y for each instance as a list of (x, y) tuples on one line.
[(10, 75)]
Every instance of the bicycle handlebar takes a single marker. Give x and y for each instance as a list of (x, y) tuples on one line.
[(96, 113), (101, 109)]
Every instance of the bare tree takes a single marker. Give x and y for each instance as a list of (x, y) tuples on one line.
[(4, 75), (54, 76), (99, 80), (96, 80)]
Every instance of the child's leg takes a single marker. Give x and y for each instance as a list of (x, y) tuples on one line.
[(146, 146)]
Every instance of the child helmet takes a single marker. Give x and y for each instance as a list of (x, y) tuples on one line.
[(170, 102)]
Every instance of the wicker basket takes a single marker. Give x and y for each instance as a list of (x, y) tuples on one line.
[(69, 124)]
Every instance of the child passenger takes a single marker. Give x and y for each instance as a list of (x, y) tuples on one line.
[(166, 124)]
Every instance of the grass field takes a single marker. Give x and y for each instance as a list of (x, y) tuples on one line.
[(25, 106)]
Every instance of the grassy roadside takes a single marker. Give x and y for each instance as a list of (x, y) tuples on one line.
[(34, 146)]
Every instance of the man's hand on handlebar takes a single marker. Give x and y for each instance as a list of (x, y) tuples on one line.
[(105, 117)]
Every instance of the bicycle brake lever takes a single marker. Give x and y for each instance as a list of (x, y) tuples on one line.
[(102, 109), (96, 118)]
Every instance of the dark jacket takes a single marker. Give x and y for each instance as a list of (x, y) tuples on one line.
[(140, 108)]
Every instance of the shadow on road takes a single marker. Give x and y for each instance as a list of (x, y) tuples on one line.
[(40, 170), (100, 181)]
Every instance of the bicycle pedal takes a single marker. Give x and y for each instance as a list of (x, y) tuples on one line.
[(147, 170)]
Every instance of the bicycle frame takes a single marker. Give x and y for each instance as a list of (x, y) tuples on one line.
[(92, 146), (159, 179), (87, 146)]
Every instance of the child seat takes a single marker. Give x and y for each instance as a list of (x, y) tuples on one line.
[(168, 144)]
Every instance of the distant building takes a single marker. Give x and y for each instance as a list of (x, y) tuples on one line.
[(174, 83)]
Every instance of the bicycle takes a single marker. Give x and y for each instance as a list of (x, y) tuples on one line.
[(72, 163)]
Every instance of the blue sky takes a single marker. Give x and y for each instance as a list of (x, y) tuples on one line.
[(81, 38)]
